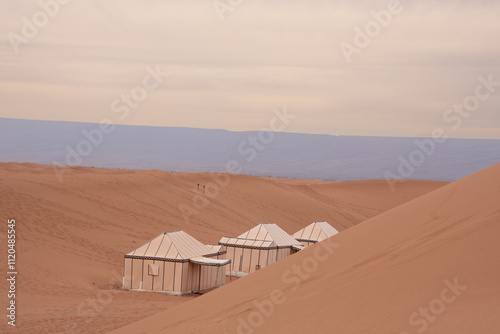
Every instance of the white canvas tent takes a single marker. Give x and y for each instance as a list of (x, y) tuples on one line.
[(258, 247), (314, 233), (176, 263)]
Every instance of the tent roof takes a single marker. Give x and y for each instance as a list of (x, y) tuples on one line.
[(270, 232), (176, 245), (316, 231), (247, 243)]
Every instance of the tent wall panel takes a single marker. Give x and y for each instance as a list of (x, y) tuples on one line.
[(136, 273), (169, 276), (263, 258), (199, 278), (208, 277), (213, 276), (271, 257), (237, 259), (186, 272), (203, 278), (230, 255), (178, 277), (255, 261), (165, 274), (191, 277), (222, 276), (284, 252), (246, 256), (158, 280), (253, 257), (198, 286), (172, 276), (279, 254), (288, 252), (127, 274), (147, 280), (216, 274), (158, 277), (219, 273), (196, 277)]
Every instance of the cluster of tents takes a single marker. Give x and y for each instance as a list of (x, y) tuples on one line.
[(176, 263)]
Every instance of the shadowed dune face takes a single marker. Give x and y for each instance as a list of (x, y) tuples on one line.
[(72, 234), (427, 266)]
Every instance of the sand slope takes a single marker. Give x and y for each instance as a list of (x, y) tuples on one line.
[(430, 265), (72, 235)]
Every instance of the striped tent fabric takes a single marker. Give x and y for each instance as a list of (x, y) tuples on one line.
[(175, 263), (258, 247), (314, 233)]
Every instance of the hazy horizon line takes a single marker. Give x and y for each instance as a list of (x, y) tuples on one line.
[(248, 131)]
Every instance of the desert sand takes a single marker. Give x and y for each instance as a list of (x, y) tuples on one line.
[(430, 265), (72, 236)]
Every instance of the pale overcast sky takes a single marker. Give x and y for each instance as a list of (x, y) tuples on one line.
[(231, 73)]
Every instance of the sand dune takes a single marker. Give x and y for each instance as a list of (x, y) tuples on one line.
[(72, 235), (430, 265)]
